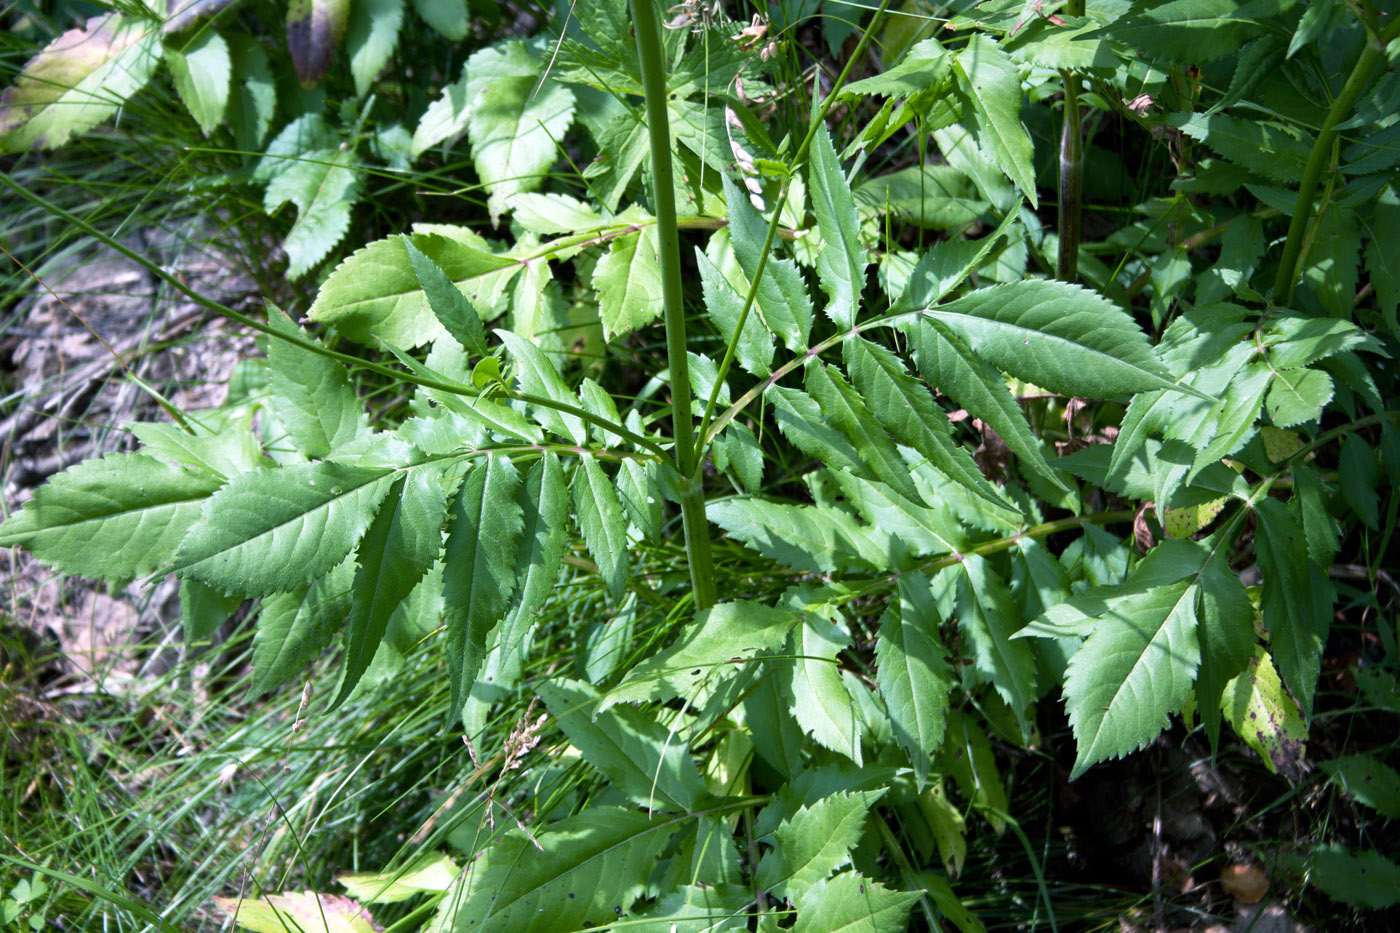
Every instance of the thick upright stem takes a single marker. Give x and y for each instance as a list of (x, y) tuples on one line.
[(1372, 55), (696, 527), (1071, 171)]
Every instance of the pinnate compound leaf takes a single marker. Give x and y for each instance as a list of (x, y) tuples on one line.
[(1184, 31), (1296, 602), (373, 34), (987, 619), (294, 628), (813, 842), (914, 677), (203, 72), (990, 87), (847, 412), (115, 518), (628, 280), (754, 349), (397, 550), (1276, 150), (1265, 716), (482, 538), (78, 80), (1134, 670), (269, 531), (592, 866), (637, 754), (1226, 635), (1059, 336), (311, 394), (822, 704), (603, 524), (314, 29), (803, 537), (851, 903), (544, 505), (908, 411), (538, 377), (453, 309), (782, 299), (841, 262), (736, 631)]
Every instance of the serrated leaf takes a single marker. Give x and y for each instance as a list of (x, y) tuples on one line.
[(926, 66), (555, 213), (967, 755), (700, 908), (949, 364), (1276, 150), (991, 90), (115, 518), (1265, 716), (1132, 672), (323, 185), (1058, 336), (537, 377), (294, 628), (202, 70), (314, 29), (936, 197), (453, 309), (638, 755), (311, 394), (428, 873), (515, 127), (203, 610), (1184, 31), (841, 263), (821, 703), (813, 842), (1334, 260), (1359, 476), (544, 505), (803, 537), (372, 36), (782, 301), (482, 538), (1365, 879), (754, 349), (800, 420), (268, 531), (603, 524), (395, 553), (447, 17), (948, 264), (1368, 781), (847, 412), (913, 674), (628, 280), (1226, 635), (988, 620), (849, 903), (78, 80), (908, 410), (254, 98), (586, 868), (1296, 602), (730, 632), (305, 911), (375, 294)]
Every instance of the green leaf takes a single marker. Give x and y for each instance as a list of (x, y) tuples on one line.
[(991, 90), (1369, 781), (538, 377), (800, 420), (301, 910), (395, 553), (1265, 716), (849, 903), (937, 197), (820, 701), (1359, 476), (1383, 255), (812, 538), (270, 530), (603, 524), (254, 98), (967, 755), (515, 128), (544, 505), (914, 677), (372, 36), (203, 71), (988, 620), (1226, 635), (841, 262), (813, 842), (1133, 671), (115, 518), (1297, 396), (844, 407), (453, 309), (628, 280), (711, 647), (448, 17), (926, 66), (314, 29), (1366, 879), (638, 755), (324, 185), (1059, 336), (294, 628), (78, 80), (428, 873), (1334, 260), (782, 301), (1275, 150), (754, 349), (482, 539), (910, 413), (311, 394), (948, 264), (1297, 599), (1184, 31), (586, 868), (203, 610), (701, 908)]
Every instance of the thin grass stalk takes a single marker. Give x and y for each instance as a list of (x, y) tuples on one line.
[(1371, 58), (696, 527)]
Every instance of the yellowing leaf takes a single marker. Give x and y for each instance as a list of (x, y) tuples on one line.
[(1266, 717), (1186, 521), (306, 911)]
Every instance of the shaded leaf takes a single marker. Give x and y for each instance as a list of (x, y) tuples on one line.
[(603, 524), (314, 29), (813, 842)]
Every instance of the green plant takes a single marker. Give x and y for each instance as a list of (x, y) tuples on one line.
[(889, 611)]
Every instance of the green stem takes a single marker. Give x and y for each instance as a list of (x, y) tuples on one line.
[(696, 527), (1371, 58), (1071, 183)]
